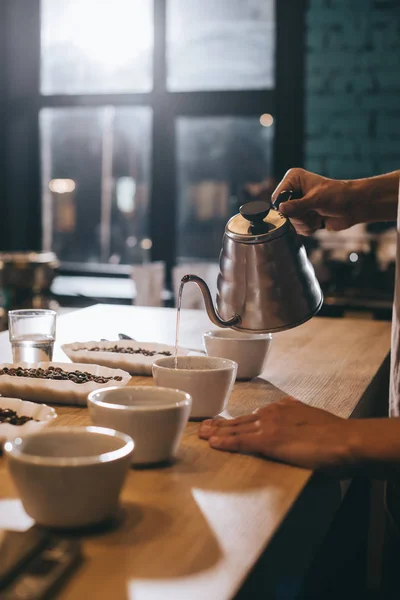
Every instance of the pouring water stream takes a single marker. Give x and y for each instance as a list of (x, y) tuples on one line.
[(178, 320)]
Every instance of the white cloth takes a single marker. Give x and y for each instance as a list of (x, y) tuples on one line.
[(149, 279)]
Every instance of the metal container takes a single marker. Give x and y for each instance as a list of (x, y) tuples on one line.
[(3, 314), (266, 282), (26, 278)]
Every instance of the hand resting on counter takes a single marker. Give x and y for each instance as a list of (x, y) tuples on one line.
[(301, 435)]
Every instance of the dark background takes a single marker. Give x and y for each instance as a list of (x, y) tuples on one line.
[(336, 108)]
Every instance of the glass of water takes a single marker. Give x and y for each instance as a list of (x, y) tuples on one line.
[(32, 334)]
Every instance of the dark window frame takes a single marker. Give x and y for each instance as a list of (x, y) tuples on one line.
[(21, 101)]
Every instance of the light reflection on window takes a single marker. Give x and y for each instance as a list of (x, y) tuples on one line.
[(96, 46)]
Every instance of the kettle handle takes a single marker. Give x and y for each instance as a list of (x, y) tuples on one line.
[(283, 196), (286, 195)]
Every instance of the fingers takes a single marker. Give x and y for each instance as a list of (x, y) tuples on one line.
[(206, 426), (211, 425), (303, 227), (244, 428), (236, 443), (291, 181), (309, 223), (301, 207)]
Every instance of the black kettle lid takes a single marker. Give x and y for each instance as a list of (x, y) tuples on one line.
[(256, 222)]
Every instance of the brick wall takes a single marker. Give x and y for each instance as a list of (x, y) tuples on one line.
[(352, 87)]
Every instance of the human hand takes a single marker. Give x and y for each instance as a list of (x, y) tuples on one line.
[(287, 430), (321, 199)]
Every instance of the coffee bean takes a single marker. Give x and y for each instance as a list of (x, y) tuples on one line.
[(10, 416), (125, 350), (57, 374)]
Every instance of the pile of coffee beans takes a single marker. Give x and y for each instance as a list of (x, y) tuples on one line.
[(125, 350), (10, 416), (57, 374)]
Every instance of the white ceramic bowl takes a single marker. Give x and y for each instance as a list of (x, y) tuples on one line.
[(208, 380), (70, 476), (249, 350), (41, 413), (154, 417)]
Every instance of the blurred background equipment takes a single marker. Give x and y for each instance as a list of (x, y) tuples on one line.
[(141, 147), (26, 279)]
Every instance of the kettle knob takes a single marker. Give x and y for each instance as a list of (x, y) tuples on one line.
[(255, 211)]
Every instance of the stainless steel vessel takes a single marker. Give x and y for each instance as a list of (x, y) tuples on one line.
[(26, 278), (266, 282)]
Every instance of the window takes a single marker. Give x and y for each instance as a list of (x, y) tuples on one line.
[(96, 46), (96, 182), (223, 45), (135, 124), (216, 158)]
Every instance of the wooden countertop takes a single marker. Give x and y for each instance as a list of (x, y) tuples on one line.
[(196, 528)]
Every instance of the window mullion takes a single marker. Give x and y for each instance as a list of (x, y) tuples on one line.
[(290, 51), (163, 202), (22, 165), (232, 103)]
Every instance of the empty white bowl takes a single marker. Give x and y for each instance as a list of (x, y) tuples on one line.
[(249, 350), (70, 476), (154, 417), (208, 380)]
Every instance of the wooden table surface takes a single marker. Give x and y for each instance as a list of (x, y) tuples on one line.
[(196, 528)]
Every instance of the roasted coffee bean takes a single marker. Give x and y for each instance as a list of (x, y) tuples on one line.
[(125, 350), (58, 374), (10, 416)]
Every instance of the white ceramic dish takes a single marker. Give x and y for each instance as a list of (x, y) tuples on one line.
[(135, 364), (41, 413), (154, 417), (57, 391), (69, 476), (249, 350), (208, 380)]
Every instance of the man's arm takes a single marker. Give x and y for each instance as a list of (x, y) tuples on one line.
[(340, 203), (373, 447), (375, 198)]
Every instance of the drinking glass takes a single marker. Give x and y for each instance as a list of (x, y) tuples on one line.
[(32, 334)]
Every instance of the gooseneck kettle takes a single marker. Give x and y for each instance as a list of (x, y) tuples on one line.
[(266, 282)]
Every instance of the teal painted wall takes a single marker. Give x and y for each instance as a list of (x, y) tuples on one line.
[(352, 104)]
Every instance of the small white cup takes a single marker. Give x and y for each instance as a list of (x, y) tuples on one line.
[(249, 350), (70, 476), (208, 380), (154, 417)]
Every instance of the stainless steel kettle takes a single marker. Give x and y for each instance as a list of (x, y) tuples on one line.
[(266, 282)]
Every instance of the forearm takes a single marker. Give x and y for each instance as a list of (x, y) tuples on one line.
[(374, 198), (364, 446)]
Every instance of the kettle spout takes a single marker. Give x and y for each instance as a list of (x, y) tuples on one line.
[(208, 302)]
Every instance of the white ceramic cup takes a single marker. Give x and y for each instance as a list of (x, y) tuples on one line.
[(154, 417), (249, 350), (70, 476), (208, 380)]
